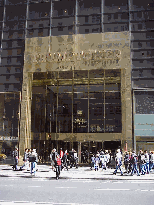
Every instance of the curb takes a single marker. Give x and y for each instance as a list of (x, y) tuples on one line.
[(75, 178)]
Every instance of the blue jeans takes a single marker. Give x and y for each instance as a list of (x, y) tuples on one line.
[(143, 170), (32, 167), (134, 168), (147, 167), (15, 163), (118, 167), (151, 166)]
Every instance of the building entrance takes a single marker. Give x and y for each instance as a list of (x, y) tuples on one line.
[(112, 145)]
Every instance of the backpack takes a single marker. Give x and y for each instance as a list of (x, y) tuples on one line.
[(126, 159), (32, 158), (134, 158)]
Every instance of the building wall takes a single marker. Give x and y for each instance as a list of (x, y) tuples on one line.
[(39, 18), (37, 48)]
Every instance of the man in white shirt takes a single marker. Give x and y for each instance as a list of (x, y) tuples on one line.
[(118, 162)]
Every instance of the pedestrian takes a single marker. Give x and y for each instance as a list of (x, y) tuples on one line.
[(142, 163), (130, 166), (53, 157), (97, 161), (25, 159), (151, 160), (146, 161), (36, 161), (126, 161), (58, 163), (92, 162), (61, 153), (32, 160), (16, 157), (118, 162), (103, 161), (139, 161), (28, 163), (134, 162), (65, 160)]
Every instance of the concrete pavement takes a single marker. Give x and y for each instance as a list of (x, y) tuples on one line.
[(45, 171)]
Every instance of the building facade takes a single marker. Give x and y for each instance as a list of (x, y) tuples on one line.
[(78, 73)]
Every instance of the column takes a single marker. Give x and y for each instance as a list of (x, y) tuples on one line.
[(79, 152)]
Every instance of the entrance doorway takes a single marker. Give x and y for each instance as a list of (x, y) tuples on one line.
[(112, 145)]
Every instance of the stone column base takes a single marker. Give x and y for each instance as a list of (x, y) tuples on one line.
[(20, 162)]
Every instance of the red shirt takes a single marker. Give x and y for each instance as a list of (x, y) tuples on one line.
[(61, 153), (58, 161)]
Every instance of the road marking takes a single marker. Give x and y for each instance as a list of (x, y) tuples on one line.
[(117, 182), (112, 189), (65, 187), (144, 190), (34, 186), (151, 190)]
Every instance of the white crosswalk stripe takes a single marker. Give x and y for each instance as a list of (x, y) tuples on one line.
[(34, 203)]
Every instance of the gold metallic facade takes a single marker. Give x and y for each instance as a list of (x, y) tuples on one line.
[(77, 52)]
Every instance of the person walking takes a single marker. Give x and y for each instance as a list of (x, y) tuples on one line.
[(134, 162), (126, 161), (32, 160), (28, 163), (53, 157), (139, 161), (58, 163), (142, 163), (151, 161), (16, 157), (92, 162), (146, 161), (118, 162), (97, 161), (130, 166), (65, 160)]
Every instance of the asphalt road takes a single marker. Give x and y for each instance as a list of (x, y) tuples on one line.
[(75, 191)]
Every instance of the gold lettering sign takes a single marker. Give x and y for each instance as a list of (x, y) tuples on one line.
[(96, 56)]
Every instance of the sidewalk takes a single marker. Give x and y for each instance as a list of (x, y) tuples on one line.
[(45, 171)]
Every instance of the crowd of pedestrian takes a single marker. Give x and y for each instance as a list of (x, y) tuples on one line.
[(141, 163), (133, 163), (30, 160), (63, 159)]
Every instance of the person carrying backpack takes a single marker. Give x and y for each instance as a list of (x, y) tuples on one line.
[(134, 163), (126, 161)]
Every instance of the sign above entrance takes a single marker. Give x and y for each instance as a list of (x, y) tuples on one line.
[(8, 138), (92, 55)]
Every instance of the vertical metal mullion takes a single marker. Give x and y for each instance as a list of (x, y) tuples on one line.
[(133, 119), (57, 107), (27, 12), (4, 16), (45, 107), (88, 101), (102, 15), (76, 17), (51, 18), (104, 100), (1, 38), (72, 98)]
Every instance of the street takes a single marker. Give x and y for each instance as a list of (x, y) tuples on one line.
[(76, 191)]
